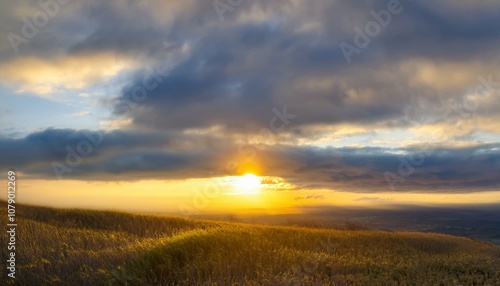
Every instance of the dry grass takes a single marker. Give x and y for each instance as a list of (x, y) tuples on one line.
[(73, 247)]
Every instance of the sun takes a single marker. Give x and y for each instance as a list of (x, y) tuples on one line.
[(246, 184)]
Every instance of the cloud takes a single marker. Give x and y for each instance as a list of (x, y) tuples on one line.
[(81, 113), (310, 197), (45, 77), (128, 156), (241, 69), (372, 199), (221, 82)]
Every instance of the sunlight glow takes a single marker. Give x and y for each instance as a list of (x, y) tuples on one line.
[(246, 184)]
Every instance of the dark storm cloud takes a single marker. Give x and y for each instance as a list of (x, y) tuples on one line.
[(112, 155), (439, 27), (51, 145), (433, 30), (128, 156), (380, 169), (265, 55), (237, 72), (215, 87)]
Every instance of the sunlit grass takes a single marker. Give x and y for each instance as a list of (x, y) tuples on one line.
[(89, 247)]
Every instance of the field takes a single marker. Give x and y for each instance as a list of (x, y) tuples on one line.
[(79, 247)]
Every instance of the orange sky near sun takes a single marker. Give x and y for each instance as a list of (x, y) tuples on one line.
[(215, 195)]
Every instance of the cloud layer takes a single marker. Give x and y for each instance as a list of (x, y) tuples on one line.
[(195, 87), (131, 156)]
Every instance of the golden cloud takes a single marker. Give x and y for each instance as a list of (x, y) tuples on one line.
[(45, 76)]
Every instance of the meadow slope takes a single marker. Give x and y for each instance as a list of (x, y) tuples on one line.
[(79, 247)]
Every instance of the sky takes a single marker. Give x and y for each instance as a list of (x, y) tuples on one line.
[(250, 105)]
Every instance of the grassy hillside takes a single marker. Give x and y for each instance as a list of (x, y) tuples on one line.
[(75, 247)]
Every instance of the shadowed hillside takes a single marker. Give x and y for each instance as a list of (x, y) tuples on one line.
[(77, 247)]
